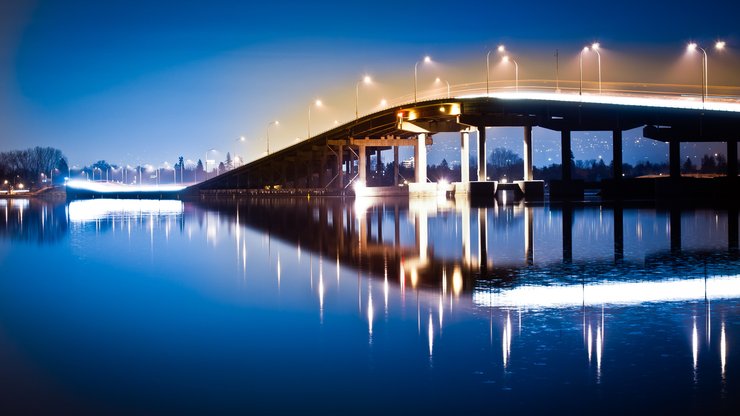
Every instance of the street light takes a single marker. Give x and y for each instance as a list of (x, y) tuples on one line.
[(427, 59), (317, 103), (448, 85), (366, 80), (516, 70), (595, 47), (719, 45), (488, 72), (580, 70), (268, 134), (500, 49)]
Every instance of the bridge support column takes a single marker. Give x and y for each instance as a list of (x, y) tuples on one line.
[(420, 158), (617, 154), (362, 164), (340, 167), (482, 176), (732, 158), (378, 163), (528, 153), (674, 158), (464, 157), (565, 152), (395, 165)]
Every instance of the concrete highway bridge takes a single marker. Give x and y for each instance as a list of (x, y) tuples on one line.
[(336, 162)]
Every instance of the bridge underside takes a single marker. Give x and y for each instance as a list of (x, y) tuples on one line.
[(333, 161)]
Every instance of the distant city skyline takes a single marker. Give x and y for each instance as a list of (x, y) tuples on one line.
[(144, 83)]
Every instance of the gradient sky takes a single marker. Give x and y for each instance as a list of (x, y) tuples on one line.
[(145, 81)]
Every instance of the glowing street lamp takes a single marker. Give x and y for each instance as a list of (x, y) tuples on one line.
[(595, 47), (720, 45), (500, 49), (427, 59), (365, 80), (516, 70), (448, 85), (272, 123), (317, 103)]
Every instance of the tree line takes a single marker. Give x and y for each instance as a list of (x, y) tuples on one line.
[(504, 163), (33, 167)]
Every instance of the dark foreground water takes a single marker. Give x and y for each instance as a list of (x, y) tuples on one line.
[(372, 307)]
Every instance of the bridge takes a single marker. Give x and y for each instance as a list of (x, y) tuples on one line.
[(335, 162)]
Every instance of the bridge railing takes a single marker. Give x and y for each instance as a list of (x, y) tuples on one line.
[(670, 91)]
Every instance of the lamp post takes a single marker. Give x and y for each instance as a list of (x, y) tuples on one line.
[(580, 70), (365, 80), (427, 59), (448, 85), (595, 48), (516, 71), (317, 103), (268, 134), (488, 72), (719, 45), (500, 48)]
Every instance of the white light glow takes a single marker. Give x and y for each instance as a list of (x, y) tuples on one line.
[(692, 103), (620, 293), (111, 187), (431, 335), (695, 345), (97, 209), (723, 349)]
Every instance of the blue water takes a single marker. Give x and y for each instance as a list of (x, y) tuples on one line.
[(325, 306)]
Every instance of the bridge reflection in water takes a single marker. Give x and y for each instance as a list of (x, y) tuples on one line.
[(568, 283), (419, 242)]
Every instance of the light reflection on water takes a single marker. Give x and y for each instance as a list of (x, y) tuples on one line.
[(173, 307)]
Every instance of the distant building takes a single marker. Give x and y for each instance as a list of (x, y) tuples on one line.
[(408, 163)]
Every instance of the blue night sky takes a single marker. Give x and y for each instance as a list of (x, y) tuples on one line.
[(146, 81)]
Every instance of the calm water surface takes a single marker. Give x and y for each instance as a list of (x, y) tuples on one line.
[(324, 306)]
